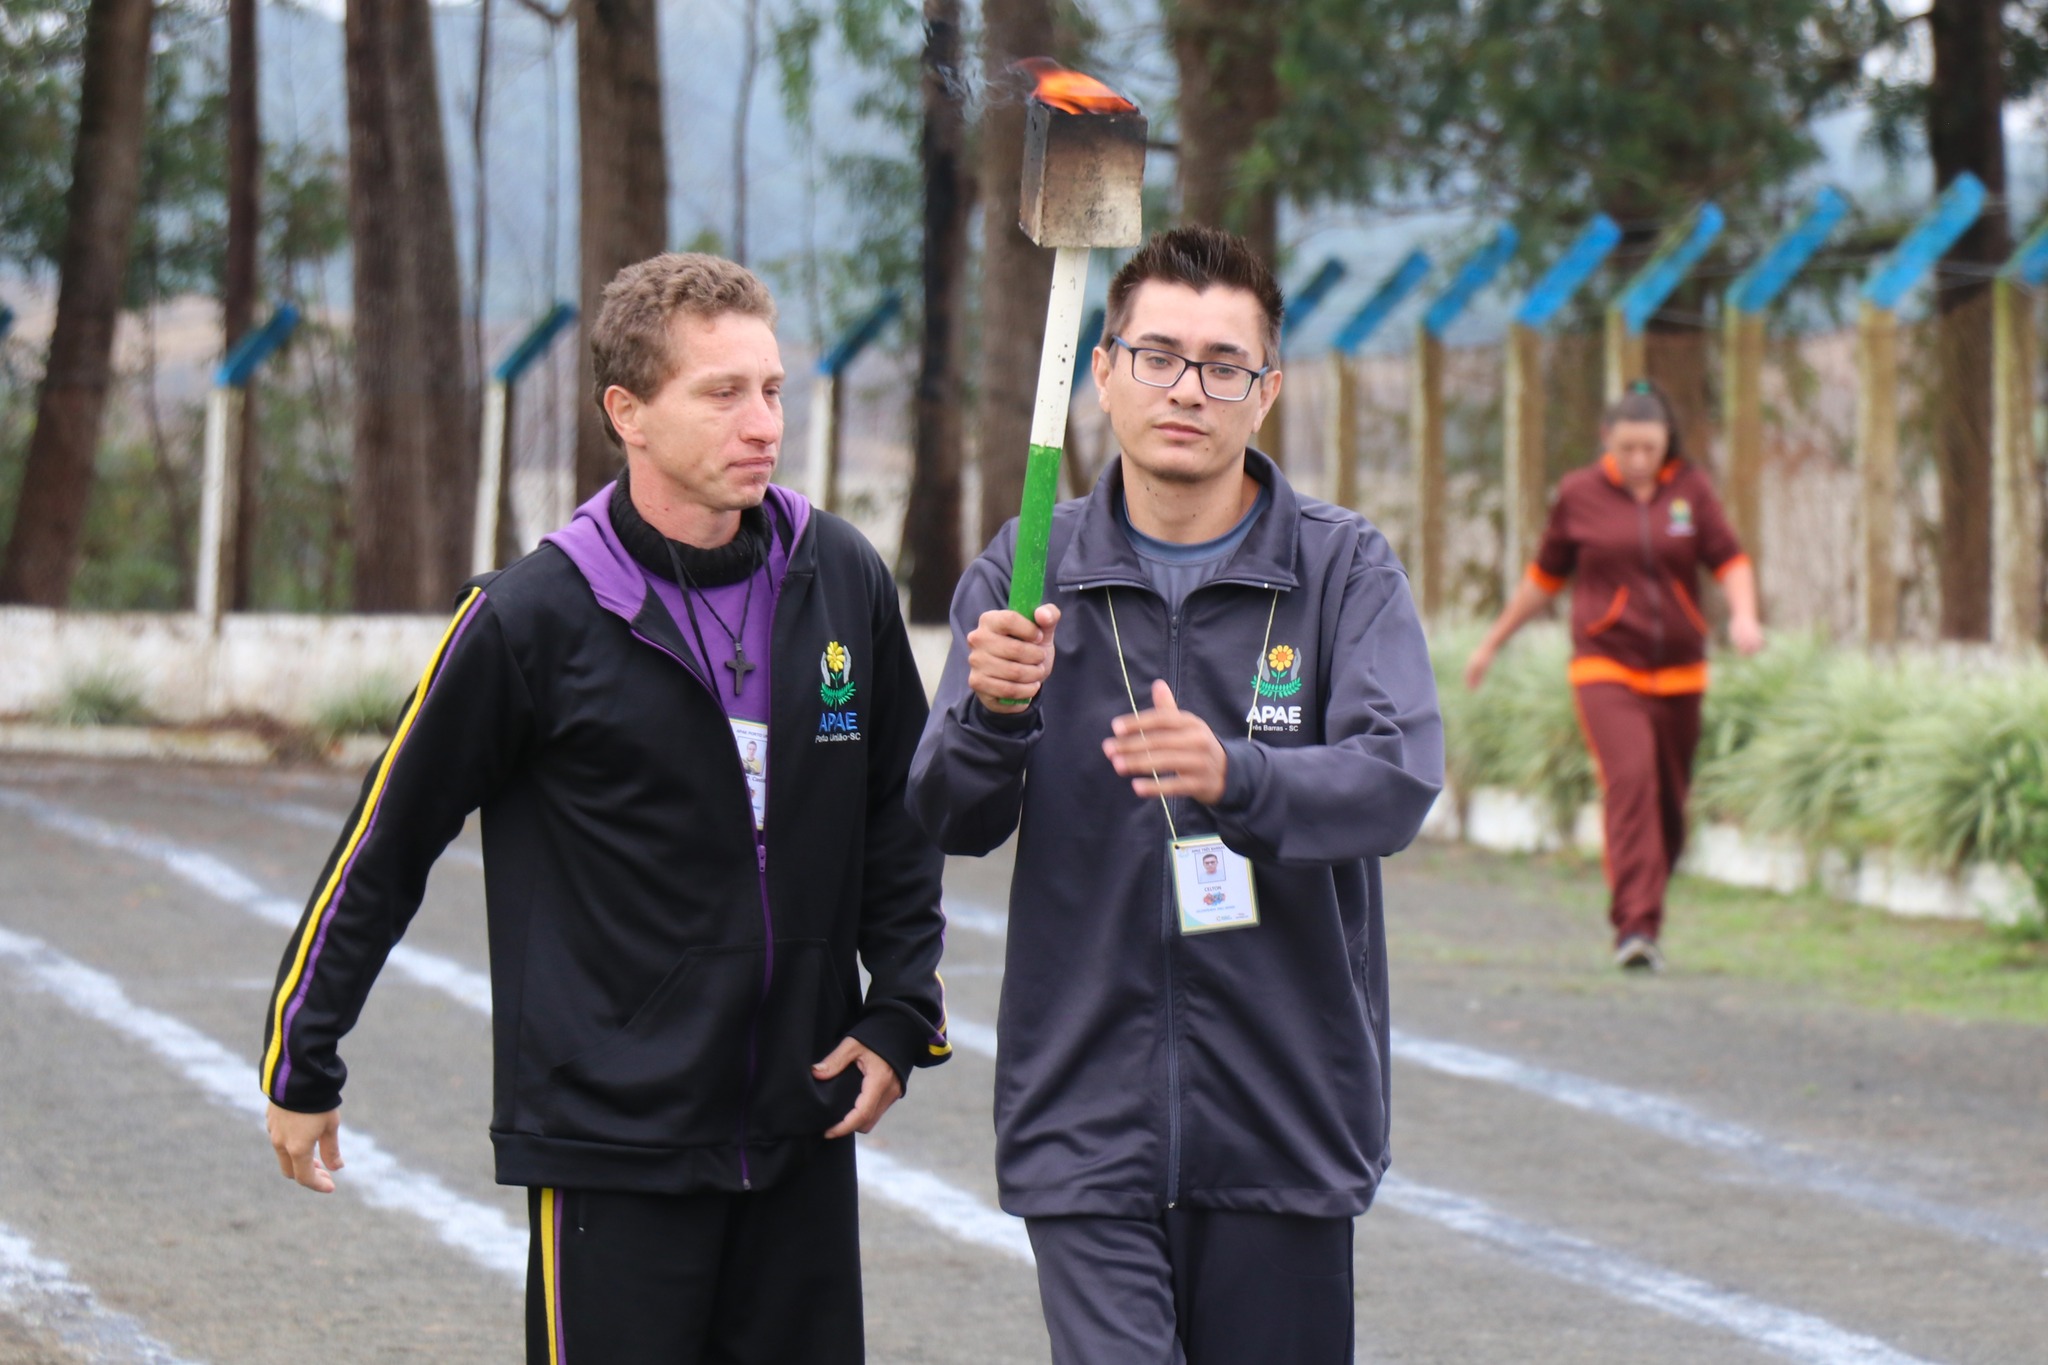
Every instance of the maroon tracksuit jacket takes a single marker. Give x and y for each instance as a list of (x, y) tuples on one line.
[(1639, 657)]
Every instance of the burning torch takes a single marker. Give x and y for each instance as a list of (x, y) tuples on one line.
[(1084, 173)]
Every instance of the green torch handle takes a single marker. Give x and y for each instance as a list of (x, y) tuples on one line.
[(1034, 529)]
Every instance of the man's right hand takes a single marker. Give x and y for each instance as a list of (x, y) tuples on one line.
[(1009, 657), (295, 1138)]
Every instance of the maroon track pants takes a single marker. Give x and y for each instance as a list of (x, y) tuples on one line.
[(1642, 751)]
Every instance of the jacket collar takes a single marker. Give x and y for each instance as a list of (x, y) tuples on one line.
[(1101, 553), (616, 579), (1611, 467)]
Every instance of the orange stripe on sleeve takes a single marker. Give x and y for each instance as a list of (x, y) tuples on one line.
[(1549, 582), (1729, 567)]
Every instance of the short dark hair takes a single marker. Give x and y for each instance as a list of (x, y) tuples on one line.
[(1201, 258), (1644, 401)]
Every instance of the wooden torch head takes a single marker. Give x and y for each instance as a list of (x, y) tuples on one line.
[(1084, 164)]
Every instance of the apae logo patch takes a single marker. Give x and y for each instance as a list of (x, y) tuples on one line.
[(837, 723), (1278, 681), (1681, 518)]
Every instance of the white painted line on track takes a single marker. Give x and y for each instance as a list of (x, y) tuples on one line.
[(1659, 1114), (1784, 1332), (43, 1295), (373, 1175), (945, 1206), (977, 919), (226, 883), (950, 1209), (1680, 1122)]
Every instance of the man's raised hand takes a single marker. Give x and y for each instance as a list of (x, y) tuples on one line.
[(1009, 657), (1177, 745), (308, 1146)]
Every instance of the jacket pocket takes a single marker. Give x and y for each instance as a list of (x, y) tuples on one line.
[(1612, 614), (1686, 605), (808, 1011), (672, 1076)]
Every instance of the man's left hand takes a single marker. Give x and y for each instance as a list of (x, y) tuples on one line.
[(879, 1087), (1177, 745)]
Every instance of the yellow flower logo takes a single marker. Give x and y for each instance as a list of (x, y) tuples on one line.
[(835, 686), (1281, 659)]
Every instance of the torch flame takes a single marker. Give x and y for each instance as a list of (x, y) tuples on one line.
[(1073, 92)]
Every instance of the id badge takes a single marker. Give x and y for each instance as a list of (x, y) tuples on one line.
[(751, 738), (1212, 886)]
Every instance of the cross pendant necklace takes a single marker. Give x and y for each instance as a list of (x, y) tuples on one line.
[(740, 665), (738, 662)]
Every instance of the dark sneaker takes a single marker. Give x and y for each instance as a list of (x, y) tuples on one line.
[(1638, 954)]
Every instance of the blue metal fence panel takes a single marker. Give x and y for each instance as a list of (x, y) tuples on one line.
[(1756, 288), (1310, 296), (1579, 261), (1912, 258), (255, 348), (1474, 275), (1393, 290), (860, 336), (1654, 283), (534, 344)]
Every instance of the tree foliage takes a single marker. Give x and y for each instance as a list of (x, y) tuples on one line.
[(1553, 109)]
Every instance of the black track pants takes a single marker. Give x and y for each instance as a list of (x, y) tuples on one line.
[(769, 1277), (1198, 1286)]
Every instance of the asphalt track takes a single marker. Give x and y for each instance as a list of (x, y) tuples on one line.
[(1691, 1169)]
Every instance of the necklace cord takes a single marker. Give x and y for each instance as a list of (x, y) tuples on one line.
[(689, 590), (1130, 693)]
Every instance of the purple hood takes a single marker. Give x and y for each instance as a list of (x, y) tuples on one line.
[(616, 578)]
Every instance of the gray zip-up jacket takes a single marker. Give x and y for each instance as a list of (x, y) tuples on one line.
[(1243, 1069)]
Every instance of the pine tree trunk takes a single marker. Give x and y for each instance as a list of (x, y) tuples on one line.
[(624, 213), (1016, 274), (415, 443), (931, 518), (1227, 53), (106, 188), (239, 279), (1966, 132)]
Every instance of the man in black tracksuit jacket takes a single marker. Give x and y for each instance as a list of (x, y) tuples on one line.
[(667, 971), (1190, 1111)]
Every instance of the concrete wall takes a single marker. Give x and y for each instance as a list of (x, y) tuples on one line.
[(279, 667), (282, 667)]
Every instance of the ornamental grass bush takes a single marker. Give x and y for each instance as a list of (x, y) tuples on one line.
[(1520, 730), (1943, 759)]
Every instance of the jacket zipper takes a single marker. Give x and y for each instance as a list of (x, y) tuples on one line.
[(767, 914), (1170, 925), (1650, 581)]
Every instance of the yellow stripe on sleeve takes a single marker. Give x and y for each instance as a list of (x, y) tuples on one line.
[(310, 930)]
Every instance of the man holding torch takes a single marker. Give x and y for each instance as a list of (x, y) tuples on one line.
[(1191, 1101)]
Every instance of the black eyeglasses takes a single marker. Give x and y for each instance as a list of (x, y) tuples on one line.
[(1163, 369)]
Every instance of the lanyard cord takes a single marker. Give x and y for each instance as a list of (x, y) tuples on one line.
[(1109, 596)]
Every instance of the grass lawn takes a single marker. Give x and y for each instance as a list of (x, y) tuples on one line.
[(1860, 955), (1806, 943)]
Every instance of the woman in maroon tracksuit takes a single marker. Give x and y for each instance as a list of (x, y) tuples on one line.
[(1634, 528)]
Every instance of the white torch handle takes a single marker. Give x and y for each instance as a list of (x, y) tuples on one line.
[(1056, 359)]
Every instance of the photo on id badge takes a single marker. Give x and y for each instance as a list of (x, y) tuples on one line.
[(1212, 886), (751, 737)]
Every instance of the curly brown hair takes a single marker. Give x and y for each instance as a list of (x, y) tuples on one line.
[(630, 342)]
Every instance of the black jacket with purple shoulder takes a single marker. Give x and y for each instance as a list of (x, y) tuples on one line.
[(661, 980), (1138, 1069)]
